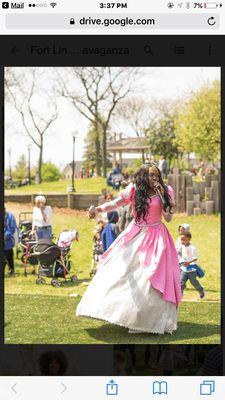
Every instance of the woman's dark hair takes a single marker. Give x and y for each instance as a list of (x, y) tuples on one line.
[(46, 359), (141, 180)]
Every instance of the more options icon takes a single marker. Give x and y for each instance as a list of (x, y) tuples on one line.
[(207, 388)]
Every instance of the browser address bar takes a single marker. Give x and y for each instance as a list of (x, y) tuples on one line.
[(103, 22)]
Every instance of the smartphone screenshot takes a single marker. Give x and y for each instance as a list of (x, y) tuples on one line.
[(111, 121)]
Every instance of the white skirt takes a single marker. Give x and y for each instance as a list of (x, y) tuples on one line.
[(121, 293)]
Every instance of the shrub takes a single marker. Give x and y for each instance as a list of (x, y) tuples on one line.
[(50, 172)]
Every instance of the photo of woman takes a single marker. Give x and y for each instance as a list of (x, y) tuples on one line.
[(118, 205), (137, 285)]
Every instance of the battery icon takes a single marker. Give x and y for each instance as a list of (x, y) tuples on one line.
[(210, 5)]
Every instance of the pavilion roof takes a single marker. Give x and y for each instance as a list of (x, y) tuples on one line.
[(132, 145)]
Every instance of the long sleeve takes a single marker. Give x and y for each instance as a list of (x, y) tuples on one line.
[(125, 197), (113, 204), (123, 219), (10, 228)]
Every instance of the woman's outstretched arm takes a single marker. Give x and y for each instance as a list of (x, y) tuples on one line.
[(111, 205), (121, 200)]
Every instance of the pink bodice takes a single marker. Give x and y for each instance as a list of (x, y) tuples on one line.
[(157, 252), (155, 209), (154, 213)]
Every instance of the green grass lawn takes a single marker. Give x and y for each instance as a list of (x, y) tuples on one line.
[(91, 185), (51, 319), (44, 314)]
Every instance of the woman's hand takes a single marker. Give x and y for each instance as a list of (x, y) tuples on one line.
[(158, 186), (93, 211), (167, 216)]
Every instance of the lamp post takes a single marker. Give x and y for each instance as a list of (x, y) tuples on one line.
[(10, 166), (73, 165), (29, 178)]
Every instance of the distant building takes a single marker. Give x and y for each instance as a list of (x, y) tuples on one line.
[(68, 170)]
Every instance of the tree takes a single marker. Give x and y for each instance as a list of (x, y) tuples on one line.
[(50, 172), (93, 153), (161, 130), (198, 124), (137, 113), (90, 154), (21, 168), (100, 91), (36, 106)]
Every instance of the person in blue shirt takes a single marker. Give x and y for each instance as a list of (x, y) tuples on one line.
[(9, 241), (111, 230)]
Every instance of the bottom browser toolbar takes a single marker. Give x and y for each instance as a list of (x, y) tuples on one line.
[(120, 388)]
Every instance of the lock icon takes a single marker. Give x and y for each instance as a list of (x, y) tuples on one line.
[(72, 21)]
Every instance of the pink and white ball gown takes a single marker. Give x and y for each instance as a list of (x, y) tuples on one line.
[(137, 284)]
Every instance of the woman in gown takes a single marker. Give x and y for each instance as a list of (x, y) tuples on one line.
[(137, 284)]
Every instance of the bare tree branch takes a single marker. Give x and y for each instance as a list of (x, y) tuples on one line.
[(21, 92), (98, 93)]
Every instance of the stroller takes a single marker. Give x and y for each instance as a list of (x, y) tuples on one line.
[(26, 244), (54, 259)]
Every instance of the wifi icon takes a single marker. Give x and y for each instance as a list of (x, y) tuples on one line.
[(53, 5)]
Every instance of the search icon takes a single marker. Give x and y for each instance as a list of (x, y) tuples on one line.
[(148, 49)]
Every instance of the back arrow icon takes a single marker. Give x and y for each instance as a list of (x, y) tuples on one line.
[(13, 388), (14, 50), (211, 21)]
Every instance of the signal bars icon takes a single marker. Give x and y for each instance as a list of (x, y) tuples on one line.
[(53, 5)]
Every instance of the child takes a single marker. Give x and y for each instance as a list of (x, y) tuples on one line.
[(187, 259), (181, 229), (97, 247), (111, 230)]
